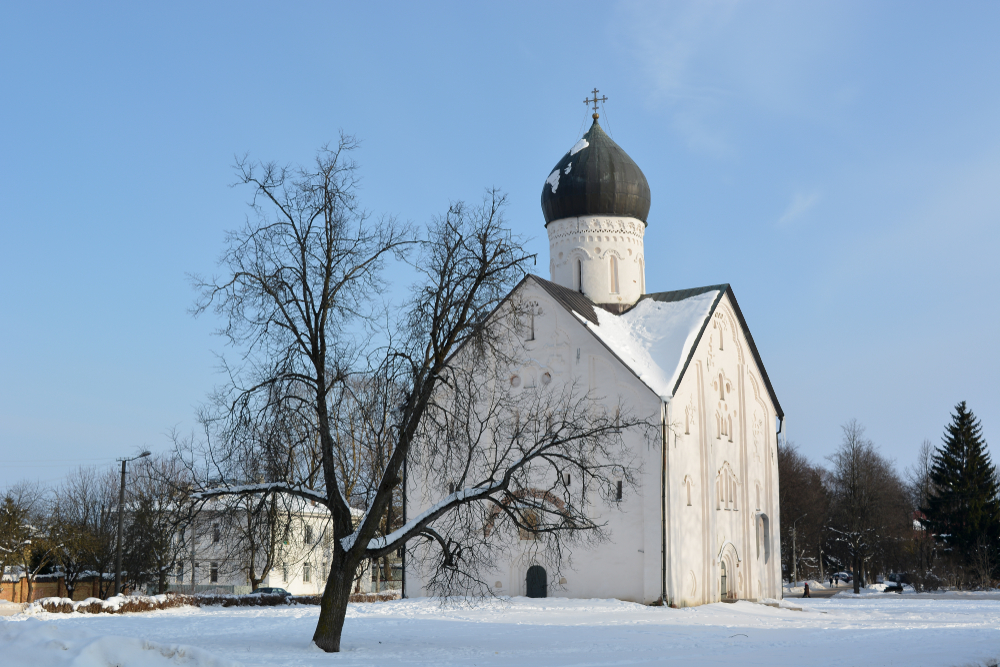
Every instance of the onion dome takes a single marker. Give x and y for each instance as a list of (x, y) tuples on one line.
[(596, 177)]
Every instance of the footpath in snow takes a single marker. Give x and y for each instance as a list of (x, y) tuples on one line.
[(876, 629)]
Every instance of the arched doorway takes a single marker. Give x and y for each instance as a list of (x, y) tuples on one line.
[(537, 582), (730, 581)]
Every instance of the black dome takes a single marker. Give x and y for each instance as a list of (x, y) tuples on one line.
[(599, 178)]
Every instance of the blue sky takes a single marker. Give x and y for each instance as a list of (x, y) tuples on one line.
[(837, 162)]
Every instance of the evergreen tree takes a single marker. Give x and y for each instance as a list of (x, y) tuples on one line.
[(964, 505)]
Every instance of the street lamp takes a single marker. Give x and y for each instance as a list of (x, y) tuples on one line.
[(121, 503)]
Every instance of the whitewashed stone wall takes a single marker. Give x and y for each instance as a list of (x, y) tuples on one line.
[(589, 248)]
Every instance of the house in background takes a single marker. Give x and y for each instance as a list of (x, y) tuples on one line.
[(301, 560)]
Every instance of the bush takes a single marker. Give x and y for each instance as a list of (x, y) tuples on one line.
[(134, 603), (115, 605)]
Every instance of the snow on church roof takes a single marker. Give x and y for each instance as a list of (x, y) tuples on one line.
[(656, 338)]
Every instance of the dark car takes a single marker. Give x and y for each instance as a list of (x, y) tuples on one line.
[(272, 591)]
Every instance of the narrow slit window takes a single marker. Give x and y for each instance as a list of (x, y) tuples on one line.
[(614, 274), (618, 490), (578, 278)]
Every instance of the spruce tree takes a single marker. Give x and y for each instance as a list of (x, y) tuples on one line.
[(964, 506)]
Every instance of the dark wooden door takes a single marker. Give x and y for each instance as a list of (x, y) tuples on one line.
[(537, 582)]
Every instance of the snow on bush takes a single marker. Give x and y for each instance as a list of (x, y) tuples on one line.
[(120, 604)]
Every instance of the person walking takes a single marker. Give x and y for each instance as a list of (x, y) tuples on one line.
[(805, 593)]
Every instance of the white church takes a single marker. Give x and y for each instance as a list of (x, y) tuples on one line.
[(703, 525)]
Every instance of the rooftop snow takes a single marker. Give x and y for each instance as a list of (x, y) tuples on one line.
[(655, 338), (578, 146)]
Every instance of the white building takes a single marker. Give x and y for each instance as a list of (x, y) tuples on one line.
[(302, 555), (702, 525)]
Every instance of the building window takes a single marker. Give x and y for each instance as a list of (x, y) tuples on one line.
[(533, 309), (614, 274), (180, 572), (214, 576), (578, 278), (284, 572), (618, 490), (308, 531), (687, 485), (216, 533), (306, 572), (727, 489)]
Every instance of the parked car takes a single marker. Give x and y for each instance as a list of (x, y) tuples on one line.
[(894, 582), (845, 577), (272, 591)]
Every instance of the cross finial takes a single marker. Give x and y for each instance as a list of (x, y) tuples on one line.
[(588, 102)]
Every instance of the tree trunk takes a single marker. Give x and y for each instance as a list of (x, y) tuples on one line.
[(857, 576), (333, 609)]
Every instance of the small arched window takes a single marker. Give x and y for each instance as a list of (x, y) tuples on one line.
[(614, 274), (578, 278)]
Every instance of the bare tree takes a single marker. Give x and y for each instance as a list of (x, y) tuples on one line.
[(924, 573), (298, 300), (805, 503), (42, 543), (15, 527), (156, 497), (82, 519), (869, 509)]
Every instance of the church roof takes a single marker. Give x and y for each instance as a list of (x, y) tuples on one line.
[(657, 338), (596, 177)]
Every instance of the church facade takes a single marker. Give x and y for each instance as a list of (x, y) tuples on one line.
[(701, 526)]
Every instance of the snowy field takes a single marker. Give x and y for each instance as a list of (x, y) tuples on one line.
[(875, 629)]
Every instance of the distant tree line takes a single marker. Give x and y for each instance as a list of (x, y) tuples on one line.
[(936, 525), (71, 529)]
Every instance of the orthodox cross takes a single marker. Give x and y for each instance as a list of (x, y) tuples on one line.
[(602, 98)]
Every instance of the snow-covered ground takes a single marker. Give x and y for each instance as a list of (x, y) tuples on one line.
[(883, 629)]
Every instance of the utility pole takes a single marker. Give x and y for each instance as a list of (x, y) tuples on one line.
[(194, 535), (121, 524), (795, 553)]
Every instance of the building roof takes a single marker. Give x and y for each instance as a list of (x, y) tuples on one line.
[(596, 177), (656, 339)]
